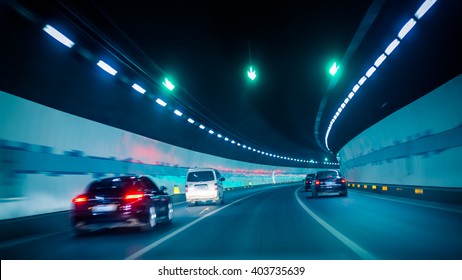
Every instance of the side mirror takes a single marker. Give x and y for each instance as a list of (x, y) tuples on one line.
[(163, 189), (222, 179)]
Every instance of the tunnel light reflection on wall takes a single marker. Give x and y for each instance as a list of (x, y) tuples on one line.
[(106, 67), (58, 36)]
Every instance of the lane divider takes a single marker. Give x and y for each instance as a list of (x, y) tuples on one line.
[(345, 240)]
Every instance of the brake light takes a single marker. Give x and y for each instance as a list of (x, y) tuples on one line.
[(317, 182), (133, 196), (80, 199), (343, 181)]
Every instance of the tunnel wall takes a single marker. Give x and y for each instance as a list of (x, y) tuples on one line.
[(419, 145), (47, 157)]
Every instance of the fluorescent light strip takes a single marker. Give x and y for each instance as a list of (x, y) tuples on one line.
[(161, 102), (138, 88), (406, 28), (391, 47), (107, 68), (191, 121), (362, 80), (424, 8), (379, 60), (178, 113), (58, 36), (370, 71)]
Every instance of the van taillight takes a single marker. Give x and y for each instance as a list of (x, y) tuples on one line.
[(186, 188), (317, 182), (343, 181), (80, 199)]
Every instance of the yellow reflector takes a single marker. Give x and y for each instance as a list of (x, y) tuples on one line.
[(353, 185), (374, 187), (365, 186), (384, 188), (176, 190), (418, 191)]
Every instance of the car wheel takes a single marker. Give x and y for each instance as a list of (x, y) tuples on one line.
[(152, 219), (170, 213), (344, 193)]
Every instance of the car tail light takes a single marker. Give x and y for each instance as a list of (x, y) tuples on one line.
[(133, 195), (80, 199), (317, 182), (343, 181)]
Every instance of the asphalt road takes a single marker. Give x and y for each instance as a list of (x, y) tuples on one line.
[(282, 222)]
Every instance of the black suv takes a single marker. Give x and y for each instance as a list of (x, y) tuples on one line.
[(123, 201), (329, 181), (308, 181)]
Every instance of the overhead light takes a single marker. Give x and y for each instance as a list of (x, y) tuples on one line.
[(355, 88), (178, 113), (168, 84), (107, 68), (138, 88), (211, 131), (161, 102), (191, 120), (58, 36), (392, 47), (379, 60), (406, 28), (370, 71), (201, 126), (424, 8), (362, 80)]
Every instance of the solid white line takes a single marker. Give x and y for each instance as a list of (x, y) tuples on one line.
[(178, 231), (350, 244)]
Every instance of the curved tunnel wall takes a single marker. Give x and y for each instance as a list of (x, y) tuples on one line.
[(418, 145), (47, 157)]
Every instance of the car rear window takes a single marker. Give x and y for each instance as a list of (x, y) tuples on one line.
[(327, 174), (113, 185), (200, 176)]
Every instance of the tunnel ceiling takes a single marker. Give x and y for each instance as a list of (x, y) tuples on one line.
[(206, 47)]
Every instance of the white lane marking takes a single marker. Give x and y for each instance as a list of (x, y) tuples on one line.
[(350, 244), (178, 231), (206, 209)]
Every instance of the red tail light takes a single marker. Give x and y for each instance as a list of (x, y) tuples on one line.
[(317, 182), (80, 199), (186, 188), (133, 195), (343, 181)]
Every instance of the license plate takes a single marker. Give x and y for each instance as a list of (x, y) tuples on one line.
[(104, 208)]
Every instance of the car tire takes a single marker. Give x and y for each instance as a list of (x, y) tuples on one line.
[(344, 193), (170, 213), (151, 220)]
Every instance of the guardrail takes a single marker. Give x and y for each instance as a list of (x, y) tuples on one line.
[(427, 193)]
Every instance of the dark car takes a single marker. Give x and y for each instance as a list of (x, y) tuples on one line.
[(308, 181), (329, 181), (123, 201)]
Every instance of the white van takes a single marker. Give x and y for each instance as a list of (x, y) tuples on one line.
[(204, 185)]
